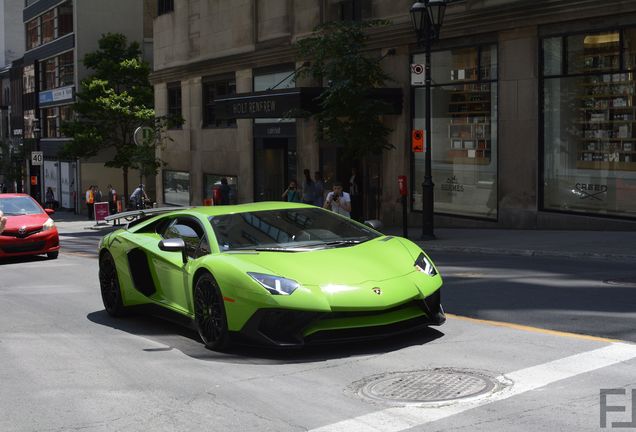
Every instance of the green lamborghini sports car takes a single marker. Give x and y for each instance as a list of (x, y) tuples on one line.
[(283, 274)]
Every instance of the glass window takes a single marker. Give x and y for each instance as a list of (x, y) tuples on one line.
[(553, 56), (228, 195), (589, 136), (50, 119), (174, 104), (165, 6), (463, 135), (66, 69), (453, 65), (48, 26), (192, 235), (213, 89), (29, 124), (176, 188), (57, 71), (277, 81), (33, 33), (28, 79), (287, 229), (64, 19), (598, 52), (48, 69)]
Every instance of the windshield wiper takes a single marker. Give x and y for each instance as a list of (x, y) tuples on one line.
[(266, 249), (337, 243)]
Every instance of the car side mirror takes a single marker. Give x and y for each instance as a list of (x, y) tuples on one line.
[(49, 211), (174, 245), (376, 224)]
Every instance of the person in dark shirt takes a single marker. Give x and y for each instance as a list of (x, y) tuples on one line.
[(225, 192)]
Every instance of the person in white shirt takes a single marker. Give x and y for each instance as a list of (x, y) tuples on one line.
[(338, 201)]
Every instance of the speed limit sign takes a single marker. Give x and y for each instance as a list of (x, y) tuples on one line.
[(37, 157)]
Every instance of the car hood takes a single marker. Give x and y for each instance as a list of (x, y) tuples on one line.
[(30, 221), (376, 260)]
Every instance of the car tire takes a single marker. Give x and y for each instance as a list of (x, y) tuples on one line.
[(53, 255), (109, 286), (209, 313)]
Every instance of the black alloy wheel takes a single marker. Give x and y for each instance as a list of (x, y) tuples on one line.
[(209, 313), (53, 255), (109, 285)]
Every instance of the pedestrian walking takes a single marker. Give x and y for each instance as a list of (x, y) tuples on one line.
[(90, 201), (112, 199), (225, 192), (309, 189), (319, 184), (338, 201), (49, 198), (98, 194), (292, 194)]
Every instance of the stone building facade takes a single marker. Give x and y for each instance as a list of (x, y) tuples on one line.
[(531, 105)]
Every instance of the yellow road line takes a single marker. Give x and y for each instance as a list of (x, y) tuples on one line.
[(533, 329)]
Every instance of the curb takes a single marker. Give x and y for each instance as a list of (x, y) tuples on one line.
[(528, 252)]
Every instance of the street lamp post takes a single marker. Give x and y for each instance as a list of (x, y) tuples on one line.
[(427, 18)]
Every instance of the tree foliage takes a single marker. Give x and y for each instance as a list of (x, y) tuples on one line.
[(114, 101), (348, 116), (11, 160)]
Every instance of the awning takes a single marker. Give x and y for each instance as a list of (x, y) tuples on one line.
[(292, 102)]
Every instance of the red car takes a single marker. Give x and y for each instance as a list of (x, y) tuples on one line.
[(29, 230)]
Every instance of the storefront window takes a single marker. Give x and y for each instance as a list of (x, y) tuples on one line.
[(589, 136), (464, 132), (213, 181), (176, 188)]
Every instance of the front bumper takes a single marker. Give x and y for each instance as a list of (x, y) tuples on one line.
[(286, 327), (35, 244)]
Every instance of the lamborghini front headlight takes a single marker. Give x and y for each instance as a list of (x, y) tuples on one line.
[(424, 264), (276, 285)]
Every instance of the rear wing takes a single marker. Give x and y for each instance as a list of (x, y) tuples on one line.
[(142, 213)]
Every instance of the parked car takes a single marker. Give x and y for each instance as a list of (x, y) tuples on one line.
[(275, 273), (29, 229)]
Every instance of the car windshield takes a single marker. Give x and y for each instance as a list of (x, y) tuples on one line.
[(14, 206), (288, 230)]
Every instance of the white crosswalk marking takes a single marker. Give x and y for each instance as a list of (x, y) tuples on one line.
[(524, 380)]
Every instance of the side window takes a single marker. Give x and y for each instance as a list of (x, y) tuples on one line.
[(192, 234)]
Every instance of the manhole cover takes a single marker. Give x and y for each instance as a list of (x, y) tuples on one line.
[(427, 386), (630, 282)]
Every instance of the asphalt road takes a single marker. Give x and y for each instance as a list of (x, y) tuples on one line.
[(581, 296), (66, 365)]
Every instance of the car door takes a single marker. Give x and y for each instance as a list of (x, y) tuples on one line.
[(171, 272)]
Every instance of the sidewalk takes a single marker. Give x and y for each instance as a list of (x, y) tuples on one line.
[(605, 245), (68, 222)]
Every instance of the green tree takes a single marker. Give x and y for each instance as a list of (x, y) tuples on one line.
[(11, 160), (348, 116), (111, 104)]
